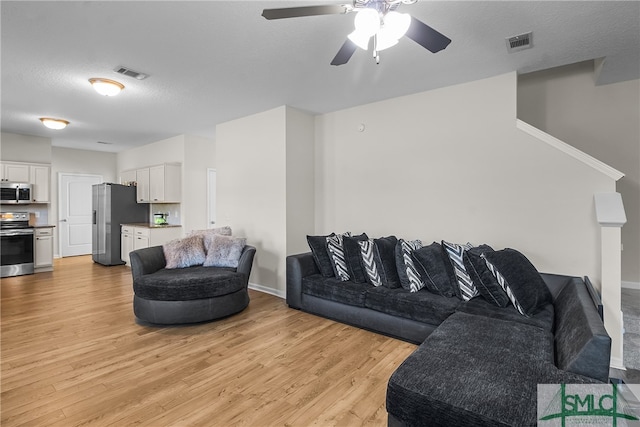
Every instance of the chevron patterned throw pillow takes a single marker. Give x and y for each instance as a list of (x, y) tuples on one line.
[(336, 252), (456, 255), (409, 277), (367, 248)]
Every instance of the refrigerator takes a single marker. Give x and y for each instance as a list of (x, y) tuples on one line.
[(113, 204)]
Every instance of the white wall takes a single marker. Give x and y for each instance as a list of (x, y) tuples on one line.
[(34, 149), (195, 154), (165, 151), (199, 154), (251, 174), (603, 121), (450, 164), (265, 187), (300, 183), (25, 148), (69, 160)]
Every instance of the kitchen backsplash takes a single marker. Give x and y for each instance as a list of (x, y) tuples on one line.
[(41, 211), (173, 209)]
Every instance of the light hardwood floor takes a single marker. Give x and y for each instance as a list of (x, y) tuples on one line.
[(72, 355)]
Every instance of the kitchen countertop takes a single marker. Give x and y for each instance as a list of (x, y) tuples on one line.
[(43, 226), (150, 225)]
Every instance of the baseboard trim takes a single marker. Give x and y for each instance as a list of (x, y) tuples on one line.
[(631, 285), (266, 290)]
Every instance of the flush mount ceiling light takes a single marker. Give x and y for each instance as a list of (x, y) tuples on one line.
[(55, 124), (106, 87)]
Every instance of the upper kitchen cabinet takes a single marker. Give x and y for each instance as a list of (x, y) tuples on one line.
[(40, 182), (165, 183), (15, 172), (36, 174), (159, 184), (142, 185)]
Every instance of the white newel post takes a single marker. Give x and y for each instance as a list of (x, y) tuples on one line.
[(611, 217)]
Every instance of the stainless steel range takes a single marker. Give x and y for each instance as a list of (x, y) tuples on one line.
[(16, 239)]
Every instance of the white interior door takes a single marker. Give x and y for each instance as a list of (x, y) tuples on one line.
[(211, 198), (75, 212)]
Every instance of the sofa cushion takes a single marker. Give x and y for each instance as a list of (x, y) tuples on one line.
[(335, 249), (519, 278), (582, 344), (455, 252), (223, 251), (409, 277), (353, 257), (543, 319), (223, 231), (318, 246), (334, 289), (421, 306), (385, 258), (482, 277), (435, 269), (473, 371), (188, 283), (369, 265), (182, 253)]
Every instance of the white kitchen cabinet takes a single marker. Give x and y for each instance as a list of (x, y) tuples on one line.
[(138, 236), (43, 249), (127, 177), (126, 244), (38, 175), (40, 179), (142, 188), (165, 183), (159, 184), (15, 172)]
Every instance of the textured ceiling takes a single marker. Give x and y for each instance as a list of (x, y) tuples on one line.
[(213, 61)]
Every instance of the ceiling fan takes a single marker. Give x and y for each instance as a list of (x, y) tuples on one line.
[(375, 19)]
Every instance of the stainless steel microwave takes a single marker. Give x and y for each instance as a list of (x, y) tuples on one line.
[(15, 193)]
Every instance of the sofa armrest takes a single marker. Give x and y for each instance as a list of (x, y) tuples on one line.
[(245, 263), (146, 261), (582, 344), (298, 266)]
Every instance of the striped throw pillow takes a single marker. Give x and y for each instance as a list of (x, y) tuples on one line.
[(336, 253)]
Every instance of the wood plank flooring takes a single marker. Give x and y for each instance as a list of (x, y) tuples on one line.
[(72, 354)]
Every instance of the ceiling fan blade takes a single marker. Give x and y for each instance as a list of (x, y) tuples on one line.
[(295, 12), (426, 36), (345, 53)]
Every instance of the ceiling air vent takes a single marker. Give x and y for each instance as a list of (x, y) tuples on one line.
[(519, 42), (130, 73)]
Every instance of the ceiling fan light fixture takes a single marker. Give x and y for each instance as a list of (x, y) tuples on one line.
[(396, 24), (384, 40), (106, 87), (359, 39), (367, 22), (55, 124)]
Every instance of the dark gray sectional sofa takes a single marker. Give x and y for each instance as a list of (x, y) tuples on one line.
[(477, 364)]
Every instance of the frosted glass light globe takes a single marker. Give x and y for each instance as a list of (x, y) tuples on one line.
[(367, 22)]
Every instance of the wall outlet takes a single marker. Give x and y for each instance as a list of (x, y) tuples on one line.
[(37, 214)]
